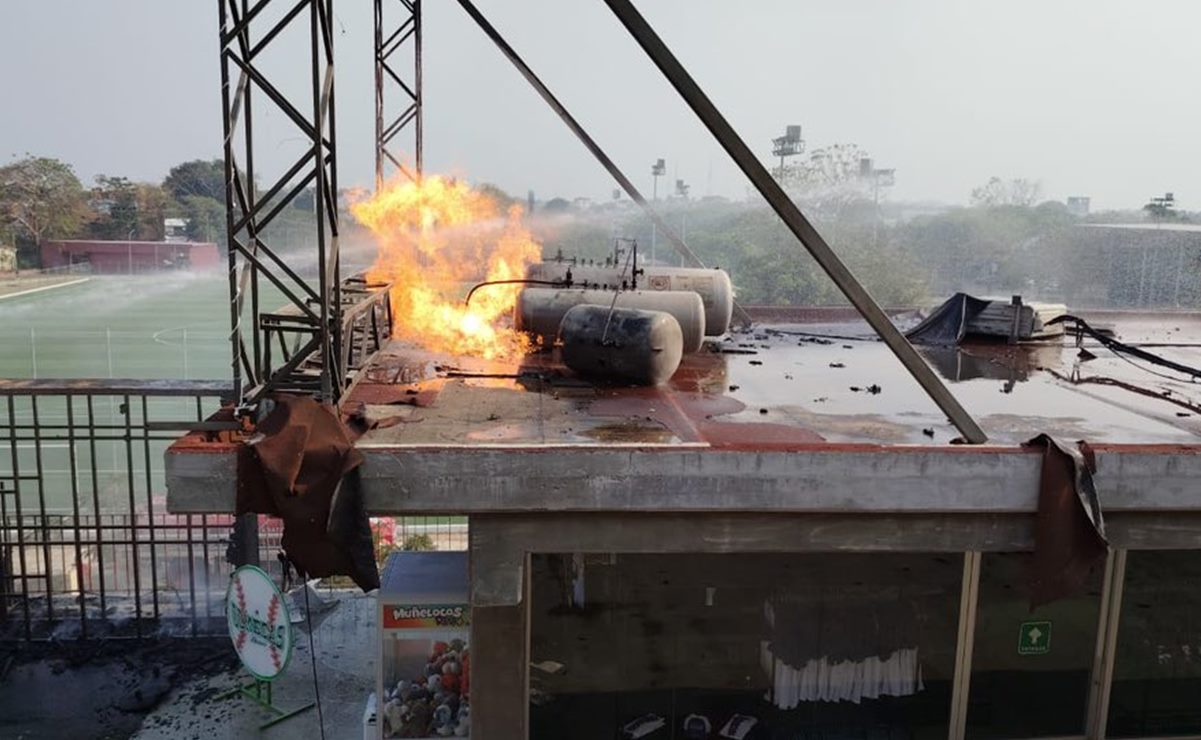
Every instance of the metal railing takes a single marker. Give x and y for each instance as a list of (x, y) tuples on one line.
[(87, 548), (430, 532)]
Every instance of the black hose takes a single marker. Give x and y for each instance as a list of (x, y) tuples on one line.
[(515, 281), (1081, 327)]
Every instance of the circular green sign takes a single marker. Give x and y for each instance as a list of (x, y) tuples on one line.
[(259, 624)]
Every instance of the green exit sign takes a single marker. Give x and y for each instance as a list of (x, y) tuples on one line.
[(1034, 638)]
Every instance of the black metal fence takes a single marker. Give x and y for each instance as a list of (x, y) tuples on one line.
[(87, 548)]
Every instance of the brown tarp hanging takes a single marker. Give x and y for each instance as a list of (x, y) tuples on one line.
[(299, 465), (1069, 531)]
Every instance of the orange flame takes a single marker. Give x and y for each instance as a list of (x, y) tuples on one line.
[(436, 239)]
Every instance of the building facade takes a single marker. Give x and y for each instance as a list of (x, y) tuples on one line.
[(128, 257)]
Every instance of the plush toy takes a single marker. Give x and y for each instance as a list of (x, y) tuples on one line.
[(416, 720), (393, 719), (463, 721), (433, 703), (443, 723)]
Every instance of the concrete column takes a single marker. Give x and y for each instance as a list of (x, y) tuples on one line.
[(500, 644)]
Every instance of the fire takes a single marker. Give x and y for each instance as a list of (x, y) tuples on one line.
[(436, 239)]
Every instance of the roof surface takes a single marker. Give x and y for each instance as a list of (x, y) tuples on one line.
[(1192, 228), (791, 384)]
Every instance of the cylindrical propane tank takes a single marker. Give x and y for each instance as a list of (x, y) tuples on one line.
[(713, 286), (627, 344), (540, 310)]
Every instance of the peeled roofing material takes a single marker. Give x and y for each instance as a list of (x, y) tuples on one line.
[(947, 325), (298, 466), (1069, 534)]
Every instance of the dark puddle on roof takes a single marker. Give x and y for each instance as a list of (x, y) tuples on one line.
[(630, 431), (993, 361)]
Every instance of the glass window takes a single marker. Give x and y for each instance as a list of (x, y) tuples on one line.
[(1157, 667), (1030, 669), (783, 646)]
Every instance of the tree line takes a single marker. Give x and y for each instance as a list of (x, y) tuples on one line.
[(1007, 241), (41, 198)]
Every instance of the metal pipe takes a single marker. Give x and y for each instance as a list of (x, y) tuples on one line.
[(251, 199), (969, 598), (419, 133), (75, 510), (379, 94), (335, 269), (517, 281), (1099, 721), (588, 142), (229, 107), (328, 393), (792, 217)]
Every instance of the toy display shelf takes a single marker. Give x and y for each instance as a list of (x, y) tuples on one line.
[(423, 599)]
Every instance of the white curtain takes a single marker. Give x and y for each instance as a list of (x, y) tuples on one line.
[(897, 674)]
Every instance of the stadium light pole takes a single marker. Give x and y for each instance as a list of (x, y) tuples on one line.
[(788, 145), (878, 177), (657, 171), (682, 192)]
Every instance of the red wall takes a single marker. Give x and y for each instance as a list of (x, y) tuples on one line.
[(125, 257)]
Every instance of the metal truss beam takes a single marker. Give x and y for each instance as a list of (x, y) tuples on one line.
[(792, 217), (255, 198), (589, 143), (395, 38)]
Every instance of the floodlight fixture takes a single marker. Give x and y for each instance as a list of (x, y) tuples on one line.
[(788, 145)]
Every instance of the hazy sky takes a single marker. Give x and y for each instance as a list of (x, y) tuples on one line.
[(1091, 97)]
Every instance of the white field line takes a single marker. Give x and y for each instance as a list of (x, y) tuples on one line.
[(20, 293)]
